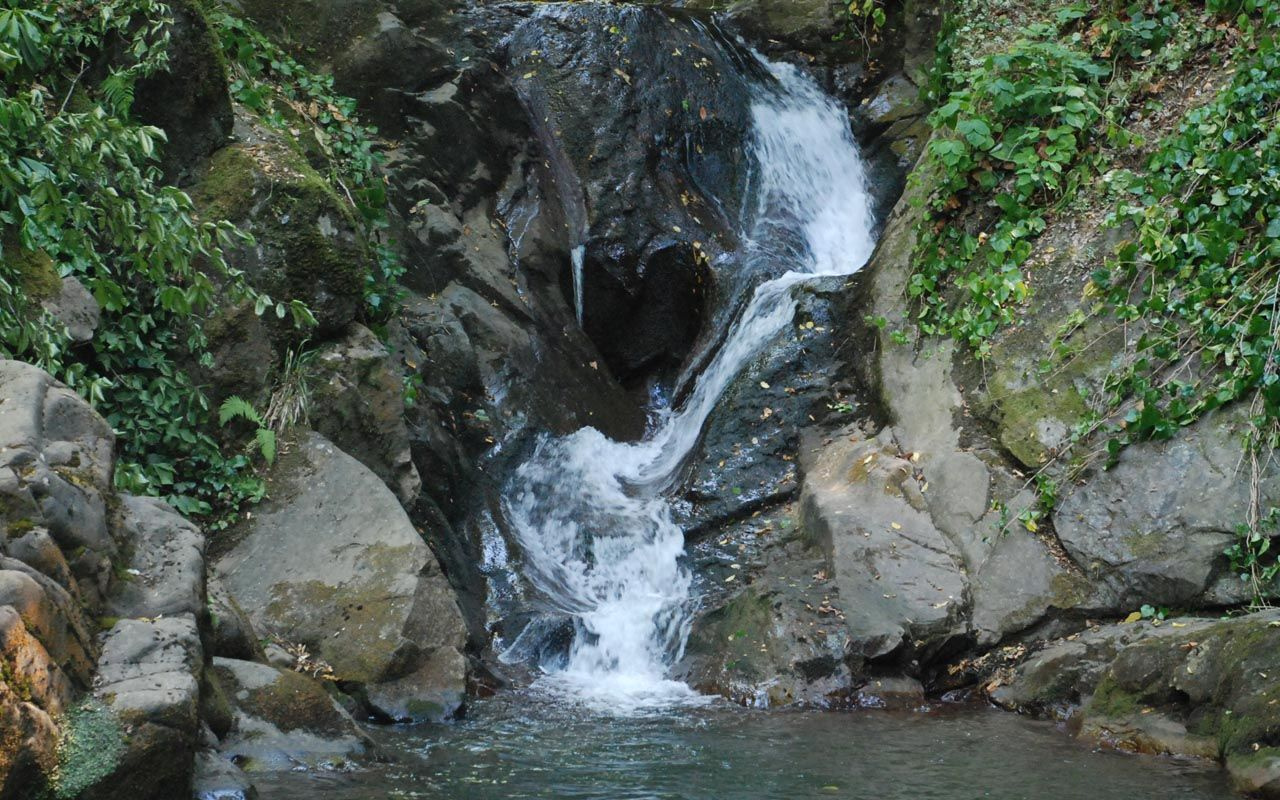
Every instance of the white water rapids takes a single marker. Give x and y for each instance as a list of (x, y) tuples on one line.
[(591, 514)]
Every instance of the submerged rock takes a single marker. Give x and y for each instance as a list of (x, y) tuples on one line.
[(281, 719), (331, 562)]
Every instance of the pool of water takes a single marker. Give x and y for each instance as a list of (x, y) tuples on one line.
[(520, 746)]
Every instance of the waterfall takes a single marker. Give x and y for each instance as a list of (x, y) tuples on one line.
[(592, 515)]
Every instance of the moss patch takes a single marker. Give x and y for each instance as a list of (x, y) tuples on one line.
[(92, 747), (32, 270), (226, 189), (1110, 702)]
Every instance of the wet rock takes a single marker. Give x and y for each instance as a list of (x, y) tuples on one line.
[(652, 236), (216, 778), (332, 562), (434, 692), (803, 24), (780, 640), (283, 719), (357, 401), (746, 459), (896, 692), (372, 69), (863, 507)]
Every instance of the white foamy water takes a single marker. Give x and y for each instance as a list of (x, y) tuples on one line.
[(593, 515)]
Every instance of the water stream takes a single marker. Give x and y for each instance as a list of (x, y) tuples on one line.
[(592, 515)]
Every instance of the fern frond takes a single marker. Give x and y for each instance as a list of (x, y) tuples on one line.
[(236, 407), (266, 439)]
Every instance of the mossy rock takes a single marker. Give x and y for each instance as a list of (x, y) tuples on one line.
[(190, 101), (308, 244), (314, 30), (32, 270), (92, 748)]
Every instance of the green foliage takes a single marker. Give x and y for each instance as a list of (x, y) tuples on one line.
[(80, 187), (1200, 276), (861, 19), (264, 439), (282, 91), (1020, 124)]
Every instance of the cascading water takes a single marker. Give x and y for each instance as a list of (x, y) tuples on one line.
[(592, 514)]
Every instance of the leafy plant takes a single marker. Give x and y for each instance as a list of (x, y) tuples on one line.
[(264, 439), (81, 195)]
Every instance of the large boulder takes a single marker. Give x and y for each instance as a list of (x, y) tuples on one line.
[(1154, 528), (1198, 687), (899, 575), (331, 562)]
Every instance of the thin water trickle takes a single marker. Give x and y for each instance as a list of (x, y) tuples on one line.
[(592, 515), (576, 256)]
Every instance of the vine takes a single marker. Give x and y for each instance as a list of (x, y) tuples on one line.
[(1198, 275)]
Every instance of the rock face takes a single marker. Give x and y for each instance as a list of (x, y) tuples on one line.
[(333, 563), (105, 717), (357, 401), (190, 100)]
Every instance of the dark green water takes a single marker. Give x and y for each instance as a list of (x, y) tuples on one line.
[(519, 747)]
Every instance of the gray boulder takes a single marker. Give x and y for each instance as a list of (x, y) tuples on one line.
[(331, 562), (900, 576), (1153, 528)]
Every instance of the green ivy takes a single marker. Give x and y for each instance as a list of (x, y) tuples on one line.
[(1200, 276), (81, 195), (1018, 125)]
